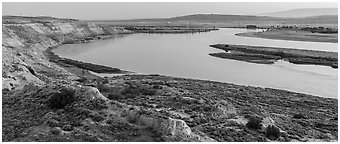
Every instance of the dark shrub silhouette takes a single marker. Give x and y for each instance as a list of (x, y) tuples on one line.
[(115, 96), (61, 98), (105, 81), (103, 88), (137, 90), (299, 116), (82, 79), (272, 132), (254, 122)]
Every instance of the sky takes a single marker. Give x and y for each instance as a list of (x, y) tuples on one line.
[(133, 10)]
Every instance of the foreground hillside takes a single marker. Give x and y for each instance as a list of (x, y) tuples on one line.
[(25, 40), (47, 98)]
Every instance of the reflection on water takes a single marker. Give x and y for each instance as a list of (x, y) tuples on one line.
[(186, 55), (310, 69), (70, 49)]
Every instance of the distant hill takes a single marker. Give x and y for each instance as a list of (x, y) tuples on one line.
[(247, 19), (221, 18), (203, 18), (306, 12)]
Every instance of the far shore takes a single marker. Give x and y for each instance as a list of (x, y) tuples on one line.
[(293, 35)]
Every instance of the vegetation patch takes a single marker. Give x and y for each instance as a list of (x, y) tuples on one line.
[(254, 122), (299, 116), (139, 90), (61, 98), (272, 132)]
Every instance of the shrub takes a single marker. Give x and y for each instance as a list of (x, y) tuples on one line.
[(103, 88), (147, 91), (129, 91), (136, 90), (55, 131), (157, 87), (115, 96), (82, 79), (280, 53), (272, 132), (52, 123), (254, 122), (299, 116), (118, 125), (61, 98), (105, 81), (96, 117), (67, 127), (97, 104)]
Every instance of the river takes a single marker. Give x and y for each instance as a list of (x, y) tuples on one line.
[(186, 55)]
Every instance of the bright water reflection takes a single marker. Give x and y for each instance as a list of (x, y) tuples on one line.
[(186, 55)]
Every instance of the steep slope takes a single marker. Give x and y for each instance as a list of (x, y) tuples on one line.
[(24, 41)]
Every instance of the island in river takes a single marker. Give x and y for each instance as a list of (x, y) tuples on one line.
[(294, 35), (48, 98), (268, 55)]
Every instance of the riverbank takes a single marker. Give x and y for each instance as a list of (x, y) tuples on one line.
[(65, 62), (268, 55), (47, 101), (168, 29), (294, 35)]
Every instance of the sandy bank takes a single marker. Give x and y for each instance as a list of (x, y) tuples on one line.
[(293, 35)]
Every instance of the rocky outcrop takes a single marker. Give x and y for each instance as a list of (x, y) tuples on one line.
[(170, 129), (24, 41)]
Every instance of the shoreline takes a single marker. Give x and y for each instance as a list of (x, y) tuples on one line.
[(127, 73), (292, 35), (266, 60), (168, 29), (66, 62)]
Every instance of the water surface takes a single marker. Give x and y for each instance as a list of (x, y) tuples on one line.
[(186, 55)]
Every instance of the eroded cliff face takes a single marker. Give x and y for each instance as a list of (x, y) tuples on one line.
[(25, 40)]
